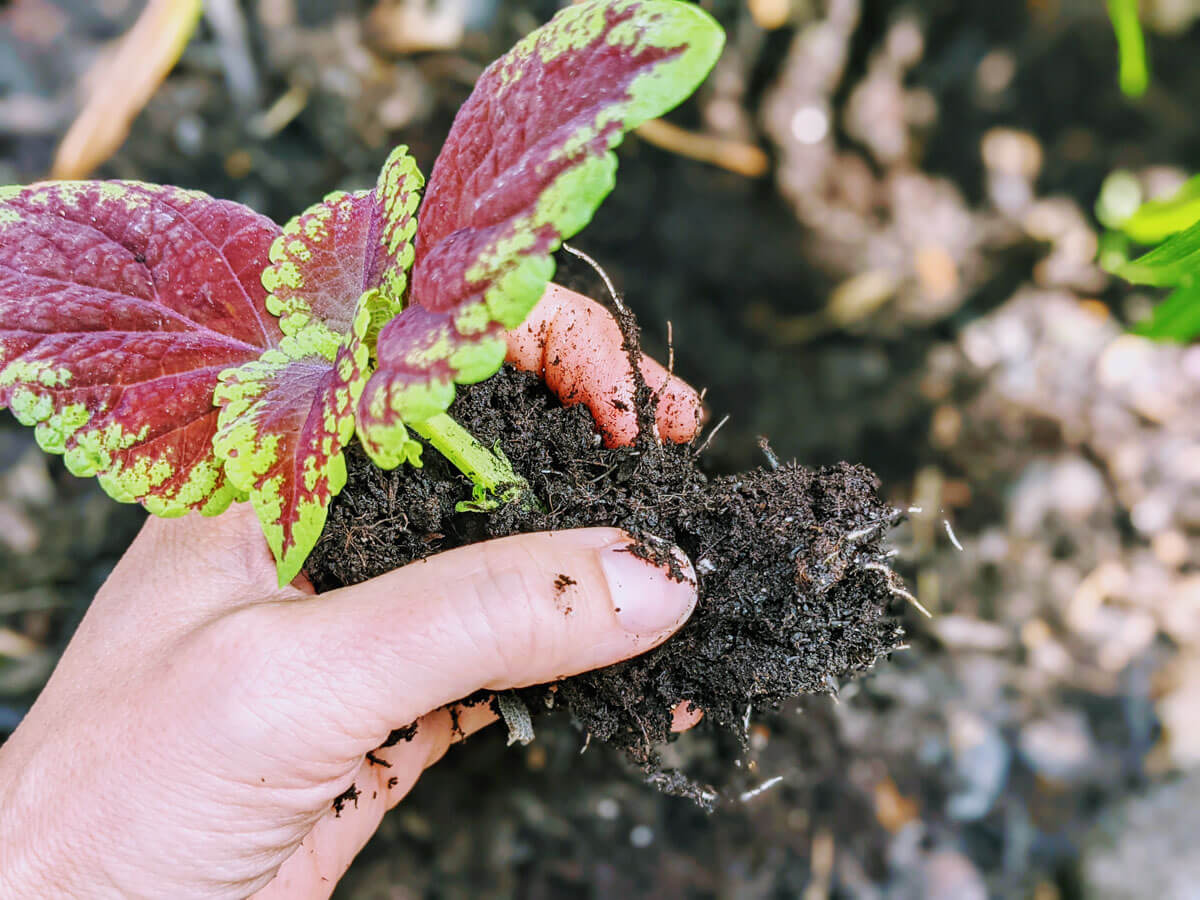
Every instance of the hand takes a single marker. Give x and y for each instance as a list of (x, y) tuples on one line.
[(202, 721)]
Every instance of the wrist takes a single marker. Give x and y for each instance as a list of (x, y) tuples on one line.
[(37, 858)]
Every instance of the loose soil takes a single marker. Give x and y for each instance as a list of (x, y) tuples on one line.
[(793, 581)]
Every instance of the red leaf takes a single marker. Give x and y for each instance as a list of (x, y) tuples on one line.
[(526, 164), (338, 249), (120, 303), (284, 420)]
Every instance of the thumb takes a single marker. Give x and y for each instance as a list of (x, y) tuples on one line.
[(522, 610)]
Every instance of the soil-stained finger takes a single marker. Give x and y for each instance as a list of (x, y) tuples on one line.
[(575, 345)]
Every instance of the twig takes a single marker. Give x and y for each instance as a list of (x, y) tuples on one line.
[(233, 48), (280, 113), (736, 156)]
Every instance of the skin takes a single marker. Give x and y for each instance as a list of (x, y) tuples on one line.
[(202, 720)]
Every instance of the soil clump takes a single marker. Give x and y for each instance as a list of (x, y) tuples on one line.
[(794, 583)]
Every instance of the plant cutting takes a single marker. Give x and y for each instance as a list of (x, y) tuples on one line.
[(190, 354)]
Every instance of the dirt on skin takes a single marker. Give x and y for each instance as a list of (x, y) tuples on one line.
[(793, 581)]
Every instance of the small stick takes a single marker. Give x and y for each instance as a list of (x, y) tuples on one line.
[(737, 156), (712, 434)]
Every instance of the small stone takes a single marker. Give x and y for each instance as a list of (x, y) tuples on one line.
[(949, 875), (1058, 747), (607, 808), (1146, 847), (1012, 152), (17, 531), (981, 761), (968, 633), (641, 836)]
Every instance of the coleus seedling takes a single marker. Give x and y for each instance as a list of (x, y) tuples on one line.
[(190, 353)]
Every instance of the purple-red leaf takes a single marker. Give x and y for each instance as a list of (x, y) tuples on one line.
[(528, 161), (332, 253), (120, 304), (284, 420)]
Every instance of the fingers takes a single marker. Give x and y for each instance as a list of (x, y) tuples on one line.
[(328, 850), (576, 346), (522, 610), (685, 716)]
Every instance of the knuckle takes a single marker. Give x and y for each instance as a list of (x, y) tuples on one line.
[(503, 612)]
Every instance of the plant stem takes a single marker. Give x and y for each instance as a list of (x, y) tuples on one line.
[(490, 472)]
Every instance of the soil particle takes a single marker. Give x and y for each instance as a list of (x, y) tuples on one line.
[(407, 733), (792, 598), (349, 795), (377, 761)]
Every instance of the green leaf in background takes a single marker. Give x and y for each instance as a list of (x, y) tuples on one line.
[(1176, 318), (1131, 47), (1174, 263), (1156, 220)]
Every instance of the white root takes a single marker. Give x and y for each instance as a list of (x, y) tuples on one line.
[(897, 589)]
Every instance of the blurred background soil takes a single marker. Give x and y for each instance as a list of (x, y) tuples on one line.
[(872, 234)]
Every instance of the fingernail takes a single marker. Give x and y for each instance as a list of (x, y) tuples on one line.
[(645, 597)]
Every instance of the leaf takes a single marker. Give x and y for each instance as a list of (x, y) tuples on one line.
[(526, 164), (1175, 262), (1177, 318), (1156, 220), (426, 357), (120, 303), (284, 420), (336, 250)]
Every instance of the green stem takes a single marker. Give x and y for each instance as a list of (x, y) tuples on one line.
[(489, 471), (1131, 47)]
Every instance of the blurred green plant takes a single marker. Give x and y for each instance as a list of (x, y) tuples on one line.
[(1173, 224), (1134, 74)]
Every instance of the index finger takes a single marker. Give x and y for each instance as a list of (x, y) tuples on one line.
[(575, 345)]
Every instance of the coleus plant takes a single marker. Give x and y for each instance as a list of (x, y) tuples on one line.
[(190, 353)]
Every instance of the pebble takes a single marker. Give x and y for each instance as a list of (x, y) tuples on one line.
[(1058, 747), (641, 836), (981, 763), (1146, 847)]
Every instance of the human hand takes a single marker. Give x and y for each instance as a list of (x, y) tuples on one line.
[(202, 721)]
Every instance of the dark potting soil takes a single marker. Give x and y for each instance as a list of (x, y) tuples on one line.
[(793, 581)]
